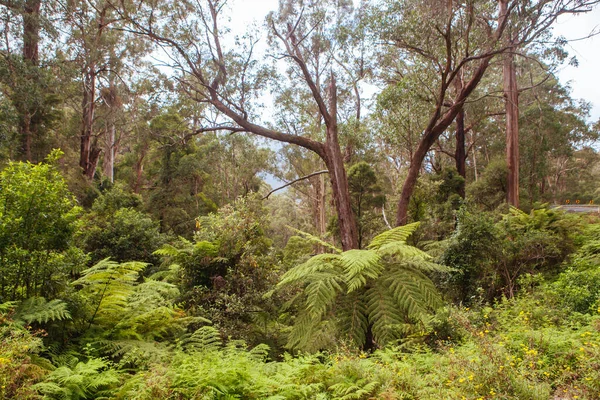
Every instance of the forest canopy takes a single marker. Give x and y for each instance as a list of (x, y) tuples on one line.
[(346, 199)]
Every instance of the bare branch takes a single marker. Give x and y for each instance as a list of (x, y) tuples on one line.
[(296, 180)]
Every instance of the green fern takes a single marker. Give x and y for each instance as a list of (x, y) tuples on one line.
[(383, 288), (206, 338), (315, 240), (109, 285), (37, 309), (80, 380)]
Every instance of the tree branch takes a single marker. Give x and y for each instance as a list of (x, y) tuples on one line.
[(296, 180)]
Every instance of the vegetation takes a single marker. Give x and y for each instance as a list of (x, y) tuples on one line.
[(417, 251)]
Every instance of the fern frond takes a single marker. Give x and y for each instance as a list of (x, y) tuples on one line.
[(8, 306), (260, 352), (359, 389), (383, 313), (359, 265), (354, 318), (401, 251), (37, 309), (399, 234), (167, 250), (206, 338), (321, 293), (318, 263), (310, 333), (413, 292), (315, 240)]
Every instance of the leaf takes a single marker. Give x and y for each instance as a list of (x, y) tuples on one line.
[(399, 234), (319, 263), (359, 265), (315, 240), (321, 293)]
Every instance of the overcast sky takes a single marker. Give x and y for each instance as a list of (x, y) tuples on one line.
[(584, 79)]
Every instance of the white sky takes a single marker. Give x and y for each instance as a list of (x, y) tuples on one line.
[(584, 80)]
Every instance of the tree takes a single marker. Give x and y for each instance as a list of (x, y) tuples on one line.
[(229, 81), (371, 296), (443, 41), (25, 79), (37, 220)]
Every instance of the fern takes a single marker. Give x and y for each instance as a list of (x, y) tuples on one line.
[(80, 380), (383, 288), (37, 309), (360, 265), (108, 285), (315, 240), (399, 234), (204, 339)]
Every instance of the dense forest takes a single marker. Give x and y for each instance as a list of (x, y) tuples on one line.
[(345, 200)]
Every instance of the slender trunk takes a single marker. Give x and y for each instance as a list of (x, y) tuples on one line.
[(334, 160), (511, 98), (108, 163), (139, 170), (474, 156), (31, 38), (460, 153), (26, 134), (89, 153)]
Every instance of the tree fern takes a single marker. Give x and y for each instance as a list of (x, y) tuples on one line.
[(383, 288), (108, 285)]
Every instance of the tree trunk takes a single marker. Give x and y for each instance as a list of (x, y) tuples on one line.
[(108, 163), (31, 38), (474, 155), (511, 98), (334, 160), (89, 152), (31, 31), (460, 153)]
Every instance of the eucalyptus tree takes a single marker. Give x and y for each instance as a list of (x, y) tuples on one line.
[(441, 42), (107, 58), (25, 79), (230, 81)]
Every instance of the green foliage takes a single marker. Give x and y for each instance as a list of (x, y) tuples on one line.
[(37, 220), (19, 366), (37, 309), (107, 286), (80, 380), (489, 191), (490, 256), (366, 196), (117, 228), (473, 252), (578, 288), (225, 271), (534, 242), (380, 291)]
